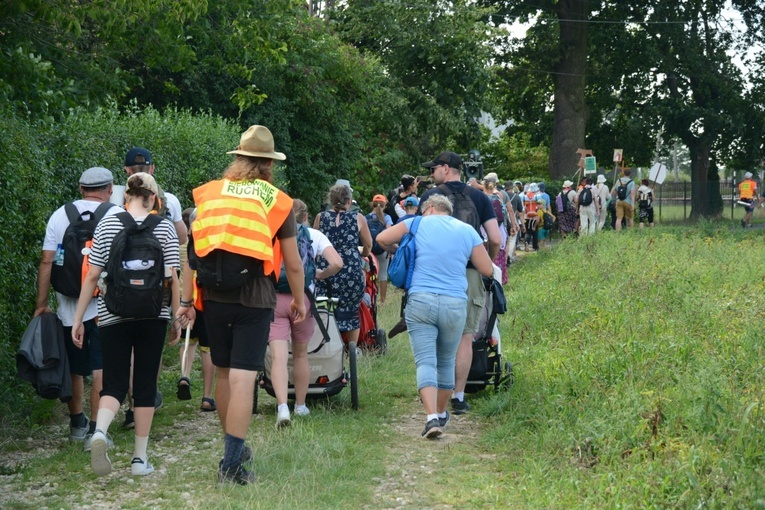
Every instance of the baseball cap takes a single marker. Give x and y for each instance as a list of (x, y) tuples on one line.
[(344, 182), (748, 175), (138, 156), (142, 180), (96, 177), (379, 198), (411, 202), (450, 159)]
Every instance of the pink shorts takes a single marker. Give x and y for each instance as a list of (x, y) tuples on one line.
[(283, 327)]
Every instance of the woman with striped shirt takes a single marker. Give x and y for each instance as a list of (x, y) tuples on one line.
[(121, 336)]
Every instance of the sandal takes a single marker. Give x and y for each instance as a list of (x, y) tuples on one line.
[(210, 405), (184, 390)]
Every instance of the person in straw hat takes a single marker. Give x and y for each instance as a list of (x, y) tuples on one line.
[(244, 228)]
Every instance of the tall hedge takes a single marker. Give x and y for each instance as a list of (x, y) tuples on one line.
[(42, 165)]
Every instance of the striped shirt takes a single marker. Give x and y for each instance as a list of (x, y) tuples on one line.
[(103, 236)]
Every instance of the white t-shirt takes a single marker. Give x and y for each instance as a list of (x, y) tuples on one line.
[(174, 211), (320, 242), (54, 235)]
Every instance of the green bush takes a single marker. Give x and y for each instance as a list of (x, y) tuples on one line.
[(43, 163)]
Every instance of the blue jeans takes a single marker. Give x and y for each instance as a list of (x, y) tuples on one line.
[(435, 323)]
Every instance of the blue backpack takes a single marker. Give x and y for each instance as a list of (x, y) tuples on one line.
[(375, 227), (401, 267), (305, 249)]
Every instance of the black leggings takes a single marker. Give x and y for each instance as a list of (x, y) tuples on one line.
[(143, 338)]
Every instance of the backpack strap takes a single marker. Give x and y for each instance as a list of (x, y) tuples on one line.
[(101, 210), (415, 225), (71, 212), (320, 323)]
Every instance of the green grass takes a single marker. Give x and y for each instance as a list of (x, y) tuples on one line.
[(640, 370)]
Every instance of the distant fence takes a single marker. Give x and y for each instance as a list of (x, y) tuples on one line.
[(672, 200)]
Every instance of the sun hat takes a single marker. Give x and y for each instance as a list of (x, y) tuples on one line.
[(567, 184), (96, 177), (491, 177), (601, 179), (379, 198), (257, 142), (344, 182), (411, 202)]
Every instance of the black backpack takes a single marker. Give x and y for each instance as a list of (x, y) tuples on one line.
[(135, 271), (646, 199), (621, 191), (375, 227), (585, 197), (67, 271), (464, 208), (223, 270), (390, 207)]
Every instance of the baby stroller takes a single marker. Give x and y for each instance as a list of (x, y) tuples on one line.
[(371, 338), (326, 355), (487, 367)]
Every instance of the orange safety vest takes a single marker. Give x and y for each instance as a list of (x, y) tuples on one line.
[(746, 189), (241, 217)]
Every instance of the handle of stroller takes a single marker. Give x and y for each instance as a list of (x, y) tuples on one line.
[(319, 322)]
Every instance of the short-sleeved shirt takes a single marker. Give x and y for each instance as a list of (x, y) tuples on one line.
[(54, 235), (103, 236), (435, 271), (480, 199), (258, 292), (320, 243)]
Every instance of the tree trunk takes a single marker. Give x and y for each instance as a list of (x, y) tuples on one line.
[(700, 189), (570, 109)]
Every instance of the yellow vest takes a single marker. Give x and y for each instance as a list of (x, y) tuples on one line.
[(241, 217)]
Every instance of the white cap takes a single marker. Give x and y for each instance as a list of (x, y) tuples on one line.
[(748, 175)]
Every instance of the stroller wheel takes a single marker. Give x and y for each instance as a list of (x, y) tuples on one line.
[(508, 377), (381, 341), (352, 354)]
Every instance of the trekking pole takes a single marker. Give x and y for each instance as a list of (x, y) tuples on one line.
[(185, 350)]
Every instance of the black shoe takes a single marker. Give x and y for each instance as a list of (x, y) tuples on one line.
[(398, 328), (460, 406), (743, 224), (432, 429), (443, 422), (184, 389), (158, 402), (235, 474), (129, 422)]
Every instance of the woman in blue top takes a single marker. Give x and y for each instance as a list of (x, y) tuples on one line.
[(435, 306)]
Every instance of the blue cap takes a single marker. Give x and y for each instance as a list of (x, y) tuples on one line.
[(411, 202)]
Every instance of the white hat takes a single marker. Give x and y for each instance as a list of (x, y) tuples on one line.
[(601, 179), (567, 184), (344, 182), (748, 175)]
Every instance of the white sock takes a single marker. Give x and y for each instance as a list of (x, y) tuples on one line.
[(432, 417), (442, 415), (283, 406), (300, 406), (104, 419), (459, 395), (141, 444)]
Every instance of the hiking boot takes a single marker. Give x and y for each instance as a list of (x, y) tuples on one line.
[(398, 328), (129, 422), (283, 418), (432, 429), (246, 455), (301, 411), (140, 468), (443, 422), (235, 474), (87, 443), (99, 458), (460, 406), (158, 402)]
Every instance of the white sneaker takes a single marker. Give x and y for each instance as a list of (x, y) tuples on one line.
[(283, 418), (89, 440), (301, 411), (99, 459), (141, 468)]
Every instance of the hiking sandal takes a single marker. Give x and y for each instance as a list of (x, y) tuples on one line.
[(184, 390), (211, 405)]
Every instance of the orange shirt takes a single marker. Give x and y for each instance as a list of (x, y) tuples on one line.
[(747, 189)]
